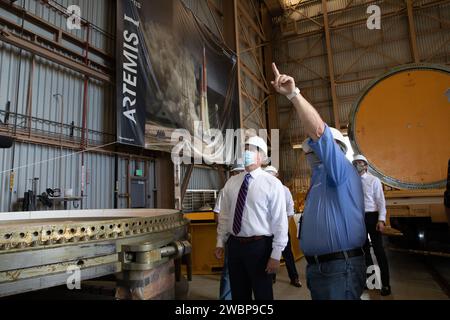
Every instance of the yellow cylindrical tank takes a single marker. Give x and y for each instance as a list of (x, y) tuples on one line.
[(402, 125)]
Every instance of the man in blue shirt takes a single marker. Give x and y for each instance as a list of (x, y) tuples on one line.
[(333, 230)]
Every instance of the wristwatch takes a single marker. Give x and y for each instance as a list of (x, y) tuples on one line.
[(293, 94)]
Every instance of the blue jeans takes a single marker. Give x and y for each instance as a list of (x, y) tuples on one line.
[(337, 279), (225, 288)]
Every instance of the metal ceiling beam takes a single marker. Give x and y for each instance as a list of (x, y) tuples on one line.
[(335, 27), (392, 40)]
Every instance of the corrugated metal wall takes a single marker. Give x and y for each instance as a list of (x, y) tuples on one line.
[(359, 55), (56, 92), (203, 178)]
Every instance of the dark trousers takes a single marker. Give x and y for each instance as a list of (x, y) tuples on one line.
[(376, 238), (247, 264), (289, 261)]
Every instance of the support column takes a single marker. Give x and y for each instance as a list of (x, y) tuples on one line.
[(412, 31)]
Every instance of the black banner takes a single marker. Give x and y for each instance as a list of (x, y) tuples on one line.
[(172, 73), (130, 75)]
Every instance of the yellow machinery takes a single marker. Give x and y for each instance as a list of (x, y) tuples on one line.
[(294, 241), (402, 125), (203, 230)]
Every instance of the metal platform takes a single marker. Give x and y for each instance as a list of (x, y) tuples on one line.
[(37, 248)]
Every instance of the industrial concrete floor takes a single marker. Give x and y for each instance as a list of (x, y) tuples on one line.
[(410, 280)]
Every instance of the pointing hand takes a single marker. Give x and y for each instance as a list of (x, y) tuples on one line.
[(283, 84)]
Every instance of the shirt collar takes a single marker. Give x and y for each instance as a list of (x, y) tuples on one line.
[(365, 175), (256, 173)]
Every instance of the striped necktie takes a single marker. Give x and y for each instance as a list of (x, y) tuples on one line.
[(240, 205)]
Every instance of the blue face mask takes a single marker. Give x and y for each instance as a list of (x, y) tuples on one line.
[(250, 158)]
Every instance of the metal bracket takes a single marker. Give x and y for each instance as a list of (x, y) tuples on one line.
[(146, 256)]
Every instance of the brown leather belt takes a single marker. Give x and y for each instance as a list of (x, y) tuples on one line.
[(248, 239)]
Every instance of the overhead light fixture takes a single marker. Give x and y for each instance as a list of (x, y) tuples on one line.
[(297, 146)]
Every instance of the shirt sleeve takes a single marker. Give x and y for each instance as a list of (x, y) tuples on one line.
[(334, 160), (224, 216), (289, 203), (279, 221), (380, 200)]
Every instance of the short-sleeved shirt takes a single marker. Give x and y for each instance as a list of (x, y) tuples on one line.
[(333, 218)]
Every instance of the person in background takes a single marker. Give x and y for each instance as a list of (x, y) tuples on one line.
[(333, 232), (375, 206), (225, 289), (253, 214), (287, 253)]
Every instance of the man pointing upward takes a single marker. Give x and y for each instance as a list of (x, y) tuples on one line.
[(333, 231)]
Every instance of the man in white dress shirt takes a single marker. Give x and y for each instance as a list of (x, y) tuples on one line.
[(287, 253), (375, 207), (253, 214)]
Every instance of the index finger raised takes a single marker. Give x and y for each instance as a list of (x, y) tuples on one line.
[(275, 70)]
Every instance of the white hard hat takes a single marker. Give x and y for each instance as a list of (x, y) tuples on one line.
[(258, 142), (360, 157), (271, 169), (338, 136)]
